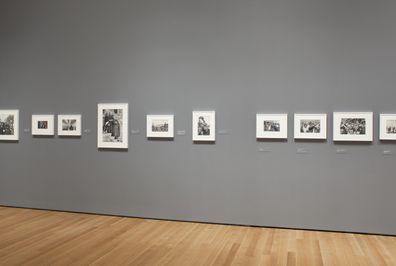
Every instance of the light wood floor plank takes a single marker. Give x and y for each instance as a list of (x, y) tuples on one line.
[(36, 237)]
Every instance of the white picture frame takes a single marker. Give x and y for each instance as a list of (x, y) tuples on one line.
[(204, 126), (310, 126), (9, 125), (353, 126), (69, 125), (271, 126), (43, 125), (387, 126), (112, 125), (160, 126)]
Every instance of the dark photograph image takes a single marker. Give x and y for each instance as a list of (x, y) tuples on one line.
[(6, 125), (42, 124), (112, 123), (203, 126), (272, 125), (69, 124), (353, 126), (310, 126), (160, 126), (391, 126)]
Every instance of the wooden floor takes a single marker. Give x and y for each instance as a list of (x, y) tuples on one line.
[(34, 237)]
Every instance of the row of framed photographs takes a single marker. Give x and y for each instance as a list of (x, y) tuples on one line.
[(68, 125), (347, 126), (113, 126)]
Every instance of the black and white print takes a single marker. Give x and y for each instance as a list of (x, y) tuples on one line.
[(159, 125), (203, 126), (353, 126), (391, 127), (7, 124), (42, 124), (272, 125), (310, 126), (69, 124), (112, 125)]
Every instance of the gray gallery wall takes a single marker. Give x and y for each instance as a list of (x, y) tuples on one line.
[(175, 56)]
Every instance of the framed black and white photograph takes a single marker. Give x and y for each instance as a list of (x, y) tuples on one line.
[(9, 125), (204, 126), (387, 126), (310, 126), (113, 125), (43, 125), (160, 126), (351, 126), (69, 125), (271, 126)]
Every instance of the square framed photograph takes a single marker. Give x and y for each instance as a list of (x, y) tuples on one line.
[(271, 126), (43, 125), (351, 126), (9, 125), (310, 126), (113, 125), (69, 125), (204, 126), (387, 126), (160, 126)]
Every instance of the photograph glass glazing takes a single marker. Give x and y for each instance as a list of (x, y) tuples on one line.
[(7, 124), (112, 125), (272, 125), (160, 125), (353, 126), (203, 126), (69, 124), (310, 126), (42, 124), (391, 127)]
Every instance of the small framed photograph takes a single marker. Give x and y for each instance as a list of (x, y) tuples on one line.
[(310, 126), (160, 126), (43, 125), (9, 125), (113, 125), (351, 126), (271, 126), (387, 126), (69, 125), (204, 126)]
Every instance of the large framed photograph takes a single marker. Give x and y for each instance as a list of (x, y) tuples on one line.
[(351, 126), (271, 126), (310, 126), (204, 126), (160, 126), (9, 124), (69, 125), (387, 126), (113, 125), (43, 125)]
